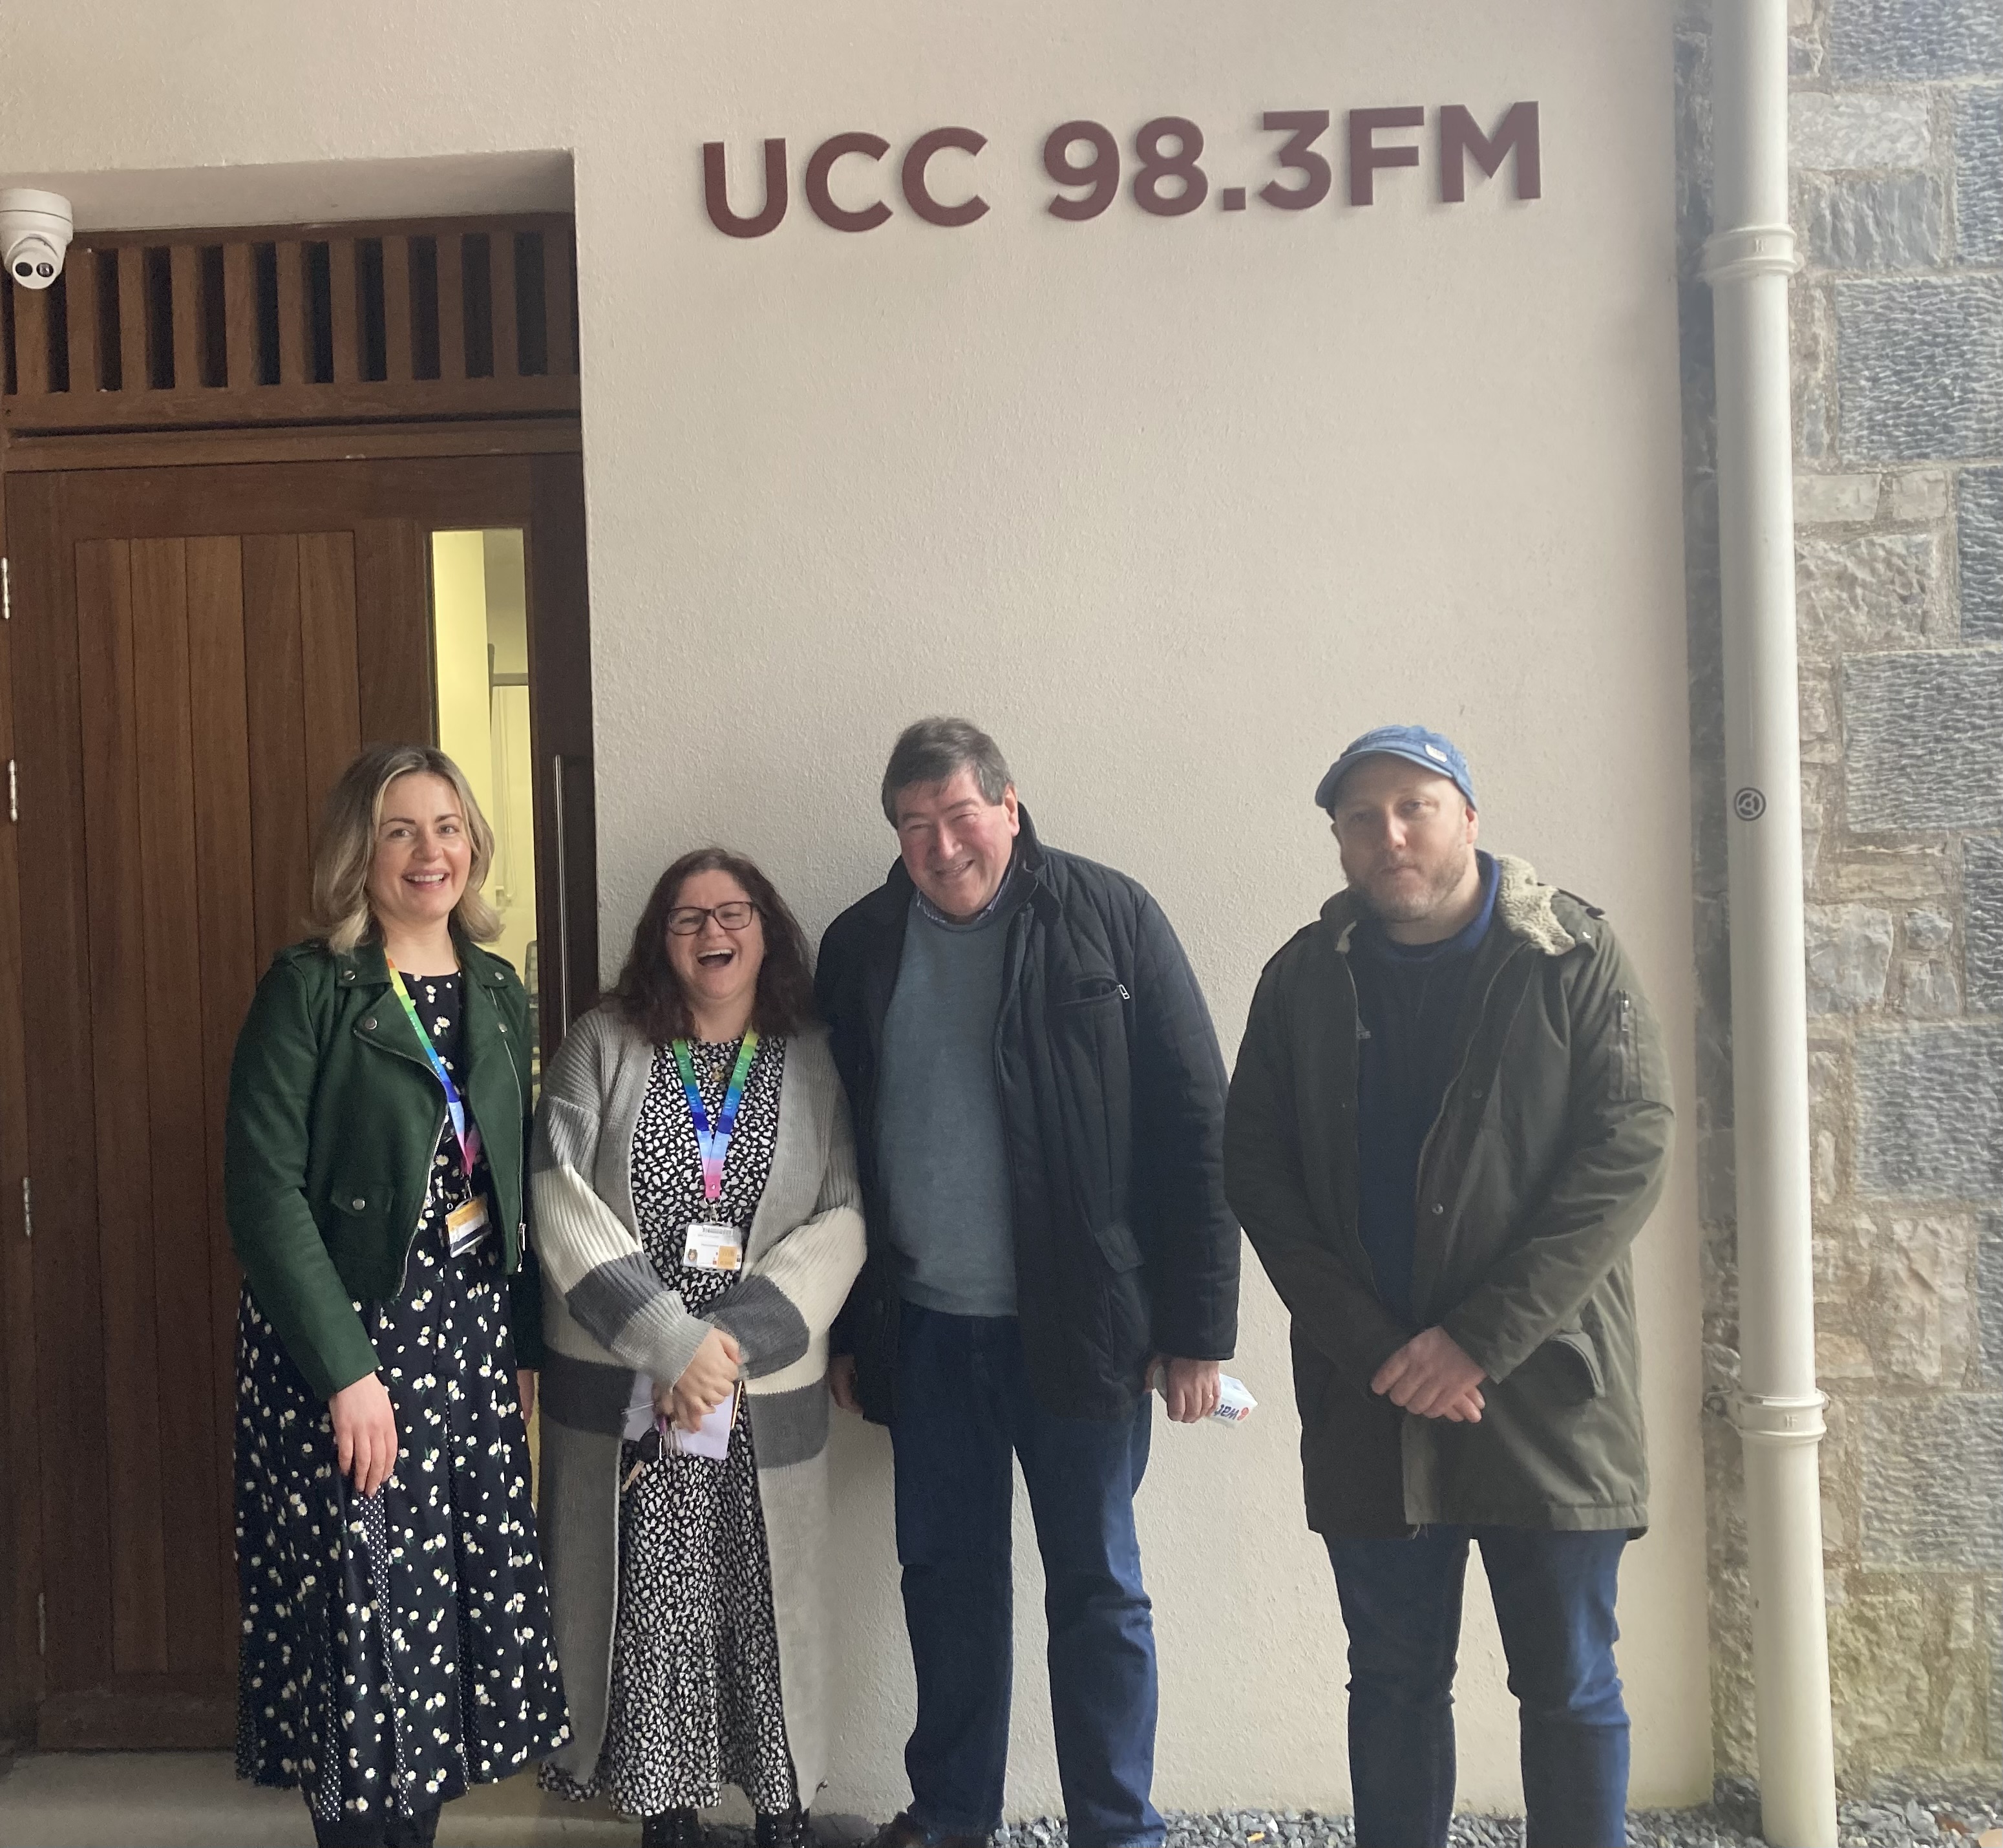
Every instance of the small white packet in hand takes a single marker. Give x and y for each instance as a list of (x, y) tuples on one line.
[(639, 1409), (711, 1437), (1234, 1403)]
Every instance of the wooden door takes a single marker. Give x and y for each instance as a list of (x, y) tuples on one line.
[(197, 653)]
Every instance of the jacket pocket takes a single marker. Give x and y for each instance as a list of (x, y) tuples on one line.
[(358, 1202), (1118, 1245), (1579, 1355), (1094, 989)]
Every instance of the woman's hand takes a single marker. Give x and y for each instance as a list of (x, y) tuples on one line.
[(525, 1390), (707, 1380), (365, 1432)]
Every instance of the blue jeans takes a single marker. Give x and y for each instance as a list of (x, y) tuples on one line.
[(964, 1404), (1553, 1595)]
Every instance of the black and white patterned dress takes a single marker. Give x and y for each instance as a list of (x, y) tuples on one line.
[(433, 1668), (695, 1700)]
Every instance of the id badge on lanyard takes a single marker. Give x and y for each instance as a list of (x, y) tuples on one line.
[(467, 1224), (713, 1247)]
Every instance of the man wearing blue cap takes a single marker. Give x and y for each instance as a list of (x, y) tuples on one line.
[(1449, 1119)]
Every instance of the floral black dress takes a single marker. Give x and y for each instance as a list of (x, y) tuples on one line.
[(694, 1701), (396, 1649)]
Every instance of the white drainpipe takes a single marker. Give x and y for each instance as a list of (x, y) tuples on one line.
[(1747, 260)]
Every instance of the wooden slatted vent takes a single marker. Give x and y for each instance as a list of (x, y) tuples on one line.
[(187, 330)]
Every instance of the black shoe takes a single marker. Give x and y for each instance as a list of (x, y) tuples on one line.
[(793, 1830), (903, 1830), (672, 1828), (420, 1831)]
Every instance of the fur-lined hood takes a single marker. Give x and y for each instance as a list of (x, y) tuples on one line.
[(1546, 916)]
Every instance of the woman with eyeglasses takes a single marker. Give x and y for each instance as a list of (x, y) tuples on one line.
[(695, 1208)]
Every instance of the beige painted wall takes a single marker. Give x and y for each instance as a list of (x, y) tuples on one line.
[(1174, 507)]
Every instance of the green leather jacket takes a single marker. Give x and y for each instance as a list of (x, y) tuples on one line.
[(334, 1116)]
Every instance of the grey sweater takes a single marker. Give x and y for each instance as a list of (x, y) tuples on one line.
[(939, 1139)]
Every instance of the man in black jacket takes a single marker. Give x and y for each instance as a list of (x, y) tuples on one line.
[(1038, 1099)]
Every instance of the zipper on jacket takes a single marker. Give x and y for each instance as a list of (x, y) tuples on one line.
[(521, 1113), (1011, 981), (410, 1237), (1466, 1058), (1362, 1033)]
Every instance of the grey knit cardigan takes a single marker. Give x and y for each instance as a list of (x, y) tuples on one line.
[(608, 1316)]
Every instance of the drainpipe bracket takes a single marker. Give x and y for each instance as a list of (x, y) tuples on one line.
[(1746, 250), (1779, 1420)]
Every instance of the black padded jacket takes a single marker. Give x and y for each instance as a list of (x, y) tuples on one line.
[(1112, 1094)]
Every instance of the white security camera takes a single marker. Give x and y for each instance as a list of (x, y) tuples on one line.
[(35, 231)]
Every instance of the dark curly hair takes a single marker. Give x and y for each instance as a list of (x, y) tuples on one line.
[(649, 993)]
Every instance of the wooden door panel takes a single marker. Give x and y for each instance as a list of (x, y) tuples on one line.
[(61, 1112), (333, 691), (112, 776), (195, 694), (226, 955), (275, 665), (392, 573), (181, 1297)]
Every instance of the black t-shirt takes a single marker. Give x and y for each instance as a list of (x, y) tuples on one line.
[(1409, 997)]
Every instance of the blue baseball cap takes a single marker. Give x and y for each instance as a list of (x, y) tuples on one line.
[(1429, 750)]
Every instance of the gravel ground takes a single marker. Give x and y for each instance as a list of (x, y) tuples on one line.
[(1731, 1821)]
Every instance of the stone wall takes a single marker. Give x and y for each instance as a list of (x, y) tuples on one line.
[(1897, 134)]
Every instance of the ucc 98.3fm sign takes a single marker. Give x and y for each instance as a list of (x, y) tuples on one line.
[(1161, 168)]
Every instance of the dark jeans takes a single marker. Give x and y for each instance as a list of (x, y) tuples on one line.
[(1553, 1595), (964, 1404)]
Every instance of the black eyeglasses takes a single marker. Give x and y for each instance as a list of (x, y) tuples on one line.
[(685, 920)]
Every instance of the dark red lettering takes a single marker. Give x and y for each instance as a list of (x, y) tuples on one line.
[(822, 161), (1460, 136), (1365, 157), (716, 191), (918, 193), (1306, 127)]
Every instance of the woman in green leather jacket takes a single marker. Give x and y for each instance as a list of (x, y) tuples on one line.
[(395, 1644)]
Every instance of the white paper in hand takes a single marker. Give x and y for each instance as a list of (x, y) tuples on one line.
[(711, 1437), (639, 1409)]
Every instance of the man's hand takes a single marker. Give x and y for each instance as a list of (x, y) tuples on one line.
[(1189, 1387), (841, 1382), (1431, 1376)]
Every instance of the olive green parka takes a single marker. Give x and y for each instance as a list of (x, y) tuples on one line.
[(1547, 1158), (334, 1116)]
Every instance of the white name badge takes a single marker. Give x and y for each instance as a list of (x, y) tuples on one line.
[(713, 1247), (466, 1226)]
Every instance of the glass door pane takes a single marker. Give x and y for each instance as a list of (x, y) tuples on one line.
[(479, 647)]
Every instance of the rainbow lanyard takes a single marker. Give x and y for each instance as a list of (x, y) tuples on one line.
[(467, 1135), (714, 1145)]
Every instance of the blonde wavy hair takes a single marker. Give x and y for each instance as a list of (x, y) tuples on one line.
[(341, 914)]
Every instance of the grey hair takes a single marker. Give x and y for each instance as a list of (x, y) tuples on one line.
[(935, 750), (342, 916)]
